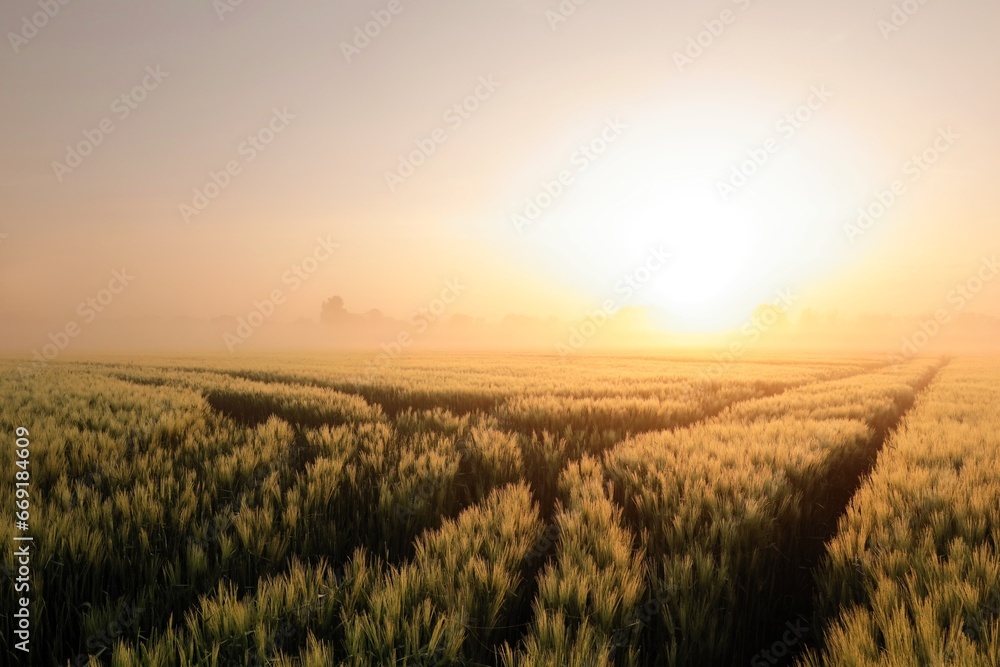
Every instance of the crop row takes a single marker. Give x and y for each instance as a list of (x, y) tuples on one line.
[(727, 509), (218, 507), (144, 495), (487, 385), (453, 603), (913, 574), (591, 594)]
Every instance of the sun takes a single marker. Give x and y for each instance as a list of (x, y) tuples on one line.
[(730, 252), (708, 284), (712, 246)]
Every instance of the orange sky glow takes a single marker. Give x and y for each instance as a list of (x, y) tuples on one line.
[(175, 167)]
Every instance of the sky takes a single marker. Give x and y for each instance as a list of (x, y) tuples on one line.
[(698, 158)]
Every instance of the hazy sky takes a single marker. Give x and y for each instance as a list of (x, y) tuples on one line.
[(211, 75)]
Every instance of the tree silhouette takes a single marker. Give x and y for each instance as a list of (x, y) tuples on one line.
[(333, 311)]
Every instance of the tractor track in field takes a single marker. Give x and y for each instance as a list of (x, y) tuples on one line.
[(798, 604), (547, 508), (394, 401)]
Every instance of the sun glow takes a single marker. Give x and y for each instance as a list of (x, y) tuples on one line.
[(712, 248), (714, 277), (731, 251)]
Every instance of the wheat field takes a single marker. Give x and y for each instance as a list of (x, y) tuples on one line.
[(508, 510)]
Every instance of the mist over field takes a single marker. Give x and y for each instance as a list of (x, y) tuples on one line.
[(535, 333)]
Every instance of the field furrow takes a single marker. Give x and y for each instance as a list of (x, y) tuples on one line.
[(729, 509), (510, 512), (912, 576)]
